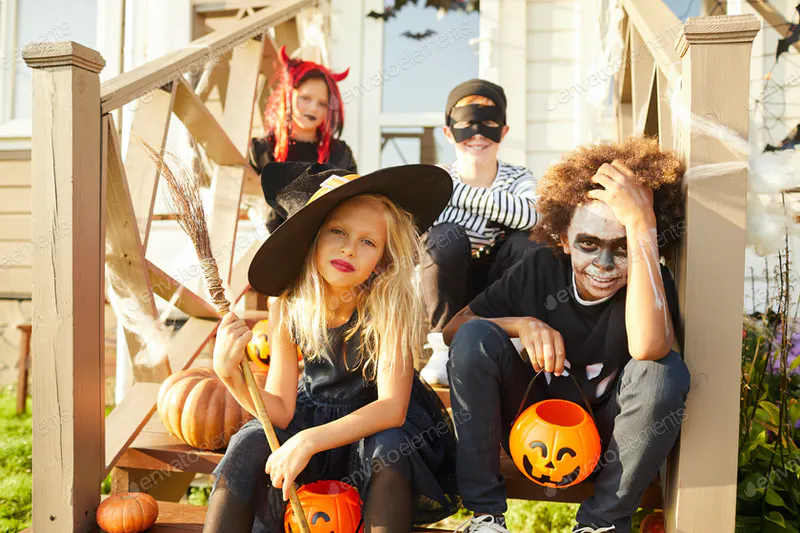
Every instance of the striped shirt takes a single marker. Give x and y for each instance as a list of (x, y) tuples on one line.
[(509, 203)]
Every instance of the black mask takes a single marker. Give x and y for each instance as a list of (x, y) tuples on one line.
[(476, 115)]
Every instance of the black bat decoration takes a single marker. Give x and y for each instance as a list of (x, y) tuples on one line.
[(789, 143), (387, 14), (447, 4), (792, 36), (418, 36)]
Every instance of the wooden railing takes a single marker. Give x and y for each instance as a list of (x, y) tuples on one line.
[(80, 181), (673, 72), (773, 17)]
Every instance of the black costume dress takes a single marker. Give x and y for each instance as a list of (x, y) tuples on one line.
[(422, 450), (261, 152)]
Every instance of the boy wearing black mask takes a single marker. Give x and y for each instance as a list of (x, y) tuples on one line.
[(484, 229)]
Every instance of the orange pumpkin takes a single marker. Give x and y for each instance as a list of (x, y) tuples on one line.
[(195, 406), (129, 512), (653, 523), (330, 506), (555, 443), (258, 348)]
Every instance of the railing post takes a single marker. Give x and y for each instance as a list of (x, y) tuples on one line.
[(715, 85), (68, 286)]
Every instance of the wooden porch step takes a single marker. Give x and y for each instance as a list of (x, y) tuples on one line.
[(172, 518), (177, 518), (156, 450), (184, 518)]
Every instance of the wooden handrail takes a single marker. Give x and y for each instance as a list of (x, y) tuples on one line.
[(135, 83), (660, 29), (773, 17)]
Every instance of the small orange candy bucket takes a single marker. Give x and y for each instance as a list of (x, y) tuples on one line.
[(555, 443)]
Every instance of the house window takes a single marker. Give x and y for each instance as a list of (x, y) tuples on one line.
[(23, 22), (425, 54)]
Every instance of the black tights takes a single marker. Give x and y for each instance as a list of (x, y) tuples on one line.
[(226, 512), (388, 507)]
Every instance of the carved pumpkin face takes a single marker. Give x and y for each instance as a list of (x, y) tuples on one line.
[(555, 443), (330, 506), (258, 348)]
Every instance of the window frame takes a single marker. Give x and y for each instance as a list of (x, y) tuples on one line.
[(15, 134)]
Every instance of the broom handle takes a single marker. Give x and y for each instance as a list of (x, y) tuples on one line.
[(272, 438)]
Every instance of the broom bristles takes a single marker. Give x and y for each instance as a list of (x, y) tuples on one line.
[(184, 200)]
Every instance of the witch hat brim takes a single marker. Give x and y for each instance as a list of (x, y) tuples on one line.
[(422, 190)]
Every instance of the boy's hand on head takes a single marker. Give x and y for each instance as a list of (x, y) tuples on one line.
[(232, 338), (631, 201), (544, 345)]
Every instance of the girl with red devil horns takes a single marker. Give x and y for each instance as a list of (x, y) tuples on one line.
[(304, 119)]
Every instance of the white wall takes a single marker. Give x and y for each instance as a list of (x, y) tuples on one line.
[(564, 77)]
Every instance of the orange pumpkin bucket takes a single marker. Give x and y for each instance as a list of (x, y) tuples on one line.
[(258, 348), (330, 506), (555, 443)]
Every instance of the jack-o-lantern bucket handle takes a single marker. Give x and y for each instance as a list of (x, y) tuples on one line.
[(530, 386)]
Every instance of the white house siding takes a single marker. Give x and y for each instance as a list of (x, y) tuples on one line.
[(564, 76)]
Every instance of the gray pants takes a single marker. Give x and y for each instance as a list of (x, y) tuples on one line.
[(451, 277), (638, 422)]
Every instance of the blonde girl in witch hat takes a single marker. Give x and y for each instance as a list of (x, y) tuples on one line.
[(342, 267)]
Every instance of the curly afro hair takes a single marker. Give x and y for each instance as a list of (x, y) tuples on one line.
[(564, 186)]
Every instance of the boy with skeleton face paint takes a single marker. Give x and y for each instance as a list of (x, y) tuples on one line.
[(597, 304), (483, 230)]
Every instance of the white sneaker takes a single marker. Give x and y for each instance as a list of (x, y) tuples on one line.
[(481, 524), (435, 372)]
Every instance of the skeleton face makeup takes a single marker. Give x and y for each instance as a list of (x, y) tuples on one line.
[(597, 245)]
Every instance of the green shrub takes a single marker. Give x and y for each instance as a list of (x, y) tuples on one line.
[(768, 488)]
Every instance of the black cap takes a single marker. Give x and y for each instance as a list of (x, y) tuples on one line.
[(476, 87)]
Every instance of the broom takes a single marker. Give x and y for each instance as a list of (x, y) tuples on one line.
[(185, 202)]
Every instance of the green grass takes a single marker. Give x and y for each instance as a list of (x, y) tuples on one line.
[(15, 465), (540, 517)]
